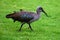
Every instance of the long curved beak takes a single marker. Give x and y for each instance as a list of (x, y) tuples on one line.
[(44, 13)]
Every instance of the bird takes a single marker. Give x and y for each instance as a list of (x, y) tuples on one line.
[(26, 16)]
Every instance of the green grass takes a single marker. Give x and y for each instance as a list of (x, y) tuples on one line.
[(46, 28)]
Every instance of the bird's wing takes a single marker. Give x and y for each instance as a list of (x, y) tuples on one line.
[(26, 17)]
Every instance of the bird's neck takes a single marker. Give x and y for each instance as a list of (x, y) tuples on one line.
[(38, 13)]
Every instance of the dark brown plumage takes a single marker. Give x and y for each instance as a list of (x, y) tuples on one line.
[(26, 17)]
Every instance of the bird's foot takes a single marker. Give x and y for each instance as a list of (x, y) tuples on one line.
[(31, 29)]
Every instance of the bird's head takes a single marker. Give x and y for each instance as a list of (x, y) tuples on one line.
[(10, 15), (40, 9)]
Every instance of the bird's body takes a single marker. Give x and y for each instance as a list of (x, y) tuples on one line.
[(26, 17)]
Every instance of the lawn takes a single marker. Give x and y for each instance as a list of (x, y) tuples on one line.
[(46, 28)]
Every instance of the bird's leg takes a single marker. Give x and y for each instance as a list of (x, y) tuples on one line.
[(21, 26), (30, 26)]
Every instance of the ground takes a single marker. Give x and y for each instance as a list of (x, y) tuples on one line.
[(46, 28)]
